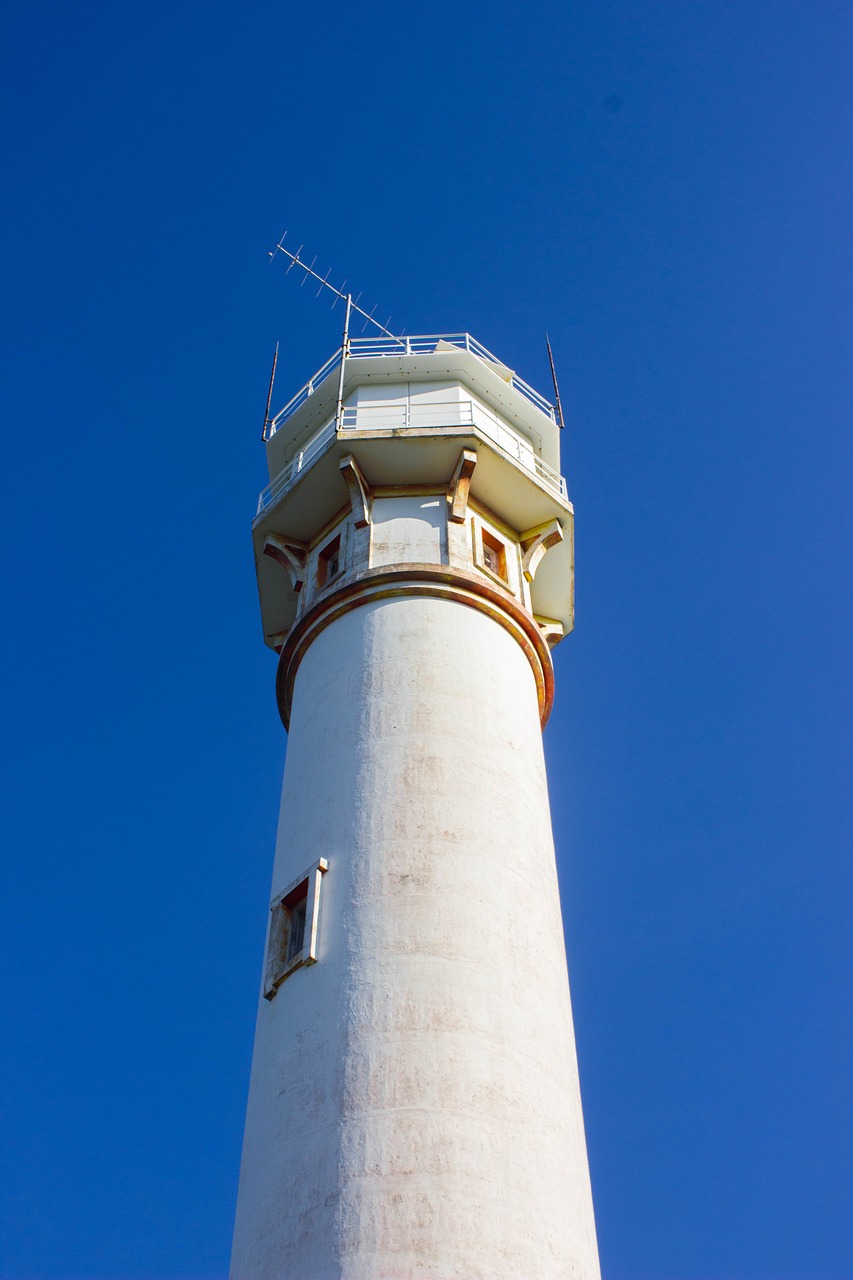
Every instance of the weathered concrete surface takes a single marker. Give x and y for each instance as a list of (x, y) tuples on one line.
[(410, 529), (414, 1107)]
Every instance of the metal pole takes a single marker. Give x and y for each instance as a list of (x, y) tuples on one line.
[(269, 395), (558, 406), (339, 411)]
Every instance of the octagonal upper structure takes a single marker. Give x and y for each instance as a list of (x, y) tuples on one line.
[(404, 409), (416, 359)]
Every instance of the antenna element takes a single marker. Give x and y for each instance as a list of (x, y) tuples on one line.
[(269, 394), (558, 405)]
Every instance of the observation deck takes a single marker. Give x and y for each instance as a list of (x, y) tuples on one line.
[(502, 409), (403, 410)]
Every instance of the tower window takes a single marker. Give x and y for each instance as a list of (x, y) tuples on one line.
[(296, 926), (494, 555), (329, 562), (294, 917)]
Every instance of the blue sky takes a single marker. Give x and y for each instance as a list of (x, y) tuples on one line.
[(666, 188)]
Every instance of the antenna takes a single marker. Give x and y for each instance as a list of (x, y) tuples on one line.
[(269, 394), (296, 261), (559, 407)]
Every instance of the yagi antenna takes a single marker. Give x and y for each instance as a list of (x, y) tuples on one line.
[(323, 281), (559, 407)]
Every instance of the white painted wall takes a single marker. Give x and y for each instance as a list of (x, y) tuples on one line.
[(421, 404), (414, 1107), (408, 529)]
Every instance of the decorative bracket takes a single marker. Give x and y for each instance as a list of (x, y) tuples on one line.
[(290, 553), (535, 542), (552, 630), (460, 483), (360, 492)]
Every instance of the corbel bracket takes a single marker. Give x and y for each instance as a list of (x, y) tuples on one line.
[(460, 483), (290, 553), (552, 630), (360, 492), (535, 542)]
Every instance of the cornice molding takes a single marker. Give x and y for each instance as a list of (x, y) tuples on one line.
[(429, 581)]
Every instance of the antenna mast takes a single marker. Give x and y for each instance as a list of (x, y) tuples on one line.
[(559, 407)]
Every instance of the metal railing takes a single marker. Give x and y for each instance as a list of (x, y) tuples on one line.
[(361, 348), (302, 395), (288, 475), (416, 416), (396, 417)]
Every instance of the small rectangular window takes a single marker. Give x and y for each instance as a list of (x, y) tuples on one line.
[(293, 928), (494, 555), (296, 927), (329, 562)]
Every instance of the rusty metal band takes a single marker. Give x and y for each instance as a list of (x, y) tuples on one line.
[(431, 581)]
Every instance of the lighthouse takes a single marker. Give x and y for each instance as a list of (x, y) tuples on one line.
[(414, 1107)]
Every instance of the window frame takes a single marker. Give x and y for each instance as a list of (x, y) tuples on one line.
[(487, 537), (280, 962), (331, 549), (493, 546)]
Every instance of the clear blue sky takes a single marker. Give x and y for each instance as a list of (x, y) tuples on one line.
[(665, 187)]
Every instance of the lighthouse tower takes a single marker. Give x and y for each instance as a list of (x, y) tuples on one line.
[(414, 1108)]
